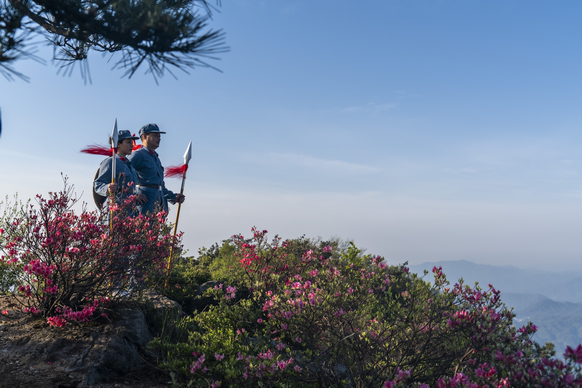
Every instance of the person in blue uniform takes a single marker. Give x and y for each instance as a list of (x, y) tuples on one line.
[(126, 177), (150, 173)]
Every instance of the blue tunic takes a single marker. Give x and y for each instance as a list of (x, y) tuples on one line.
[(150, 181), (126, 178)]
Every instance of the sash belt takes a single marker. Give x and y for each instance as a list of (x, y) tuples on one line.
[(157, 187)]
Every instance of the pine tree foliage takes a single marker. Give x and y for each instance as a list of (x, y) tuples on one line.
[(160, 34)]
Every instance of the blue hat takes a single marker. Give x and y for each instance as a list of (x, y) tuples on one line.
[(149, 128), (124, 134)]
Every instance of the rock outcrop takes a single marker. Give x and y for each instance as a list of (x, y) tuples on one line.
[(32, 354)]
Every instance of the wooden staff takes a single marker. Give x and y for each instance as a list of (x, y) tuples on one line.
[(182, 171), (114, 138)]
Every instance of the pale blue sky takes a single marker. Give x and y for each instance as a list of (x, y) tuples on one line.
[(423, 130)]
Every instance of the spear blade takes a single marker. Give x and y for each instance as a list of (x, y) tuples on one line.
[(114, 135), (188, 154)]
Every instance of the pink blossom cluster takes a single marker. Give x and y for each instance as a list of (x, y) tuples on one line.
[(67, 314), (230, 292), (40, 269), (199, 364)]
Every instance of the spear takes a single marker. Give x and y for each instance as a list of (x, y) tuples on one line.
[(171, 172), (114, 138)]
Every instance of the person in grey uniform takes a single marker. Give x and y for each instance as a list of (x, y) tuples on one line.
[(126, 177), (150, 173)]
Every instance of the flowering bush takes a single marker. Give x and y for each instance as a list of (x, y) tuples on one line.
[(68, 265), (9, 210), (312, 316)]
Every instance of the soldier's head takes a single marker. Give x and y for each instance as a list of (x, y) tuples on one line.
[(150, 135), (124, 142)]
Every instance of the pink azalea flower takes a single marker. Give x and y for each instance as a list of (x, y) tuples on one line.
[(574, 354)]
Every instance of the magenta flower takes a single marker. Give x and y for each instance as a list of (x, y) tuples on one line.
[(259, 320), (219, 357), (574, 354), (298, 339)]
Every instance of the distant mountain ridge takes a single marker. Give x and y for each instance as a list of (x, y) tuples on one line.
[(559, 286), (551, 300)]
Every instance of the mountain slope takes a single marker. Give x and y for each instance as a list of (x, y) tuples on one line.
[(551, 300)]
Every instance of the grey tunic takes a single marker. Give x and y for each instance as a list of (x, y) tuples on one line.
[(126, 178), (151, 173)]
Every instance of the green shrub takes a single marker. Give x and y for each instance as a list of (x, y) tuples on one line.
[(297, 314)]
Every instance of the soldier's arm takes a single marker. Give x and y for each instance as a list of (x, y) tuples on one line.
[(170, 195)]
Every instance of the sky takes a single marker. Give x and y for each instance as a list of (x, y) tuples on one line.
[(422, 130)]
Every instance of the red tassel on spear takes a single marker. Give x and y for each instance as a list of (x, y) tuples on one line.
[(96, 149), (177, 172)]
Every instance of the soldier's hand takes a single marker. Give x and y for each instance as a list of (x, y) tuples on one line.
[(141, 199), (180, 198), (112, 188)]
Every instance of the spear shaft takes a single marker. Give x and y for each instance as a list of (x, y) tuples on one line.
[(187, 157), (169, 268), (114, 137)]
